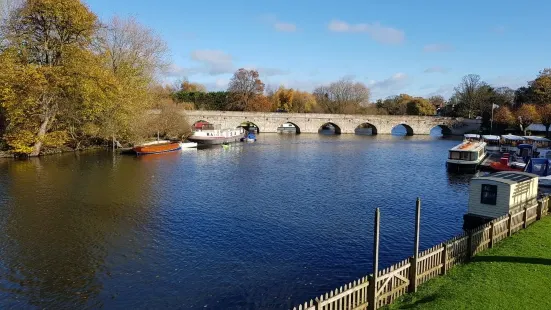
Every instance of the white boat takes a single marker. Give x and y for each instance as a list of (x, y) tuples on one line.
[(466, 156), (471, 137), (210, 134), (493, 143), (510, 143), (188, 145), (287, 128)]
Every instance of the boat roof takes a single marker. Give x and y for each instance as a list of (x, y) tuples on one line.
[(508, 177), (513, 137), (468, 146), (525, 146), (536, 138), (472, 135), (490, 137)]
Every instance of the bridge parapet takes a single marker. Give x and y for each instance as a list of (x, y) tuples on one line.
[(347, 123)]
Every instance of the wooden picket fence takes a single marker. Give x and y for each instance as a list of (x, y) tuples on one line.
[(400, 278)]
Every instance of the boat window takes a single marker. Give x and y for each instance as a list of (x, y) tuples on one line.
[(474, 156), (454, 155), (465, 155), (488, 194)]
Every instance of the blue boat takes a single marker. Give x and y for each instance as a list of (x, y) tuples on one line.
[(540, 167), (251, 137)]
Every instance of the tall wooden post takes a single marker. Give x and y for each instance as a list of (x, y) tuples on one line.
[(524, 218), (491, 244), (373, 285), (413, 267), (509, 224)]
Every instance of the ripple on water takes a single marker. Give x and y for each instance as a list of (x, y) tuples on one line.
[(263, 225)]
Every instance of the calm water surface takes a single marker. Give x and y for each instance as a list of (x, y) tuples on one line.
[(257, 226)]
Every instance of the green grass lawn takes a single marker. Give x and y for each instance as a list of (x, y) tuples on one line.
[(515, 274)]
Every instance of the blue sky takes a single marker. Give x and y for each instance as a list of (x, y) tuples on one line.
[(416, 47)]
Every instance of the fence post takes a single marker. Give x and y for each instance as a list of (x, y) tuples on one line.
[(524, 218), (318, 303), (509, 224), (444, 269), (413, 267), (373, 285), (469, 244), (491, 244)]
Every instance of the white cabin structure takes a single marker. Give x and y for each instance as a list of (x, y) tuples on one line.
[(501, 193)]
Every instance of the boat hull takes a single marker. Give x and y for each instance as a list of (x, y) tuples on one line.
[(188, 145), (286, 129), (463, 167), (213, 140), (156, 148)]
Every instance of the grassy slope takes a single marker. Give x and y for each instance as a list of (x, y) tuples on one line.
[(516, 274)]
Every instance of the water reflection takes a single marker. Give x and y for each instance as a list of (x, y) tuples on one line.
[(58, 227)]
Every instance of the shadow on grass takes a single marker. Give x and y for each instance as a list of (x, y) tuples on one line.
[(419, 302), (513, 259)]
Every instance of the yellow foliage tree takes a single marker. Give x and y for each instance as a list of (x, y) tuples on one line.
[(48, 68)]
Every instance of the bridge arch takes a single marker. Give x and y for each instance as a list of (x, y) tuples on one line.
[(402, 130), (248, 125), (285, 128), (330, 126), (366, 129), (441, 130)]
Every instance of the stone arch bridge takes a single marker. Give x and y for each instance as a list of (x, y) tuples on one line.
[(343, 123)]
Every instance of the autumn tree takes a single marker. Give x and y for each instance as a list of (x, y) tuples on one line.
[(247, 91), (187, 86), (420, 106), (47, 68), (526, 115), (342, 96), (503, 117), (541, 87), (135, 55), (544, 111)]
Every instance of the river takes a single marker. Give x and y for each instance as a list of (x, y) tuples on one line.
[(264, 225)]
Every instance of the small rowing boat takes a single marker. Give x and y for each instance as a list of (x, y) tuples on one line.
[(156, 148)]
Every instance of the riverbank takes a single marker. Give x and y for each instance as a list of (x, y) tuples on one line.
[(513, 275), (59, 150)]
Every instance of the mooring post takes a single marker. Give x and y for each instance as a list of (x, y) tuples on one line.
[(372, 304), (413, 267)]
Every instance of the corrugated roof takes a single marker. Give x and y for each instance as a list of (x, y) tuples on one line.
[(536, 138), (508, 177), (512, 137)]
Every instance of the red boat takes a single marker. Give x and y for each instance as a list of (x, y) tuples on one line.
[(156, 147), (504, 165)]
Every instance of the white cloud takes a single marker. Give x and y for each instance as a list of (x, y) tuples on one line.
[(437, 69), (214, 62), (377, 32), (285, 27), (437, 47), (277, 24), (389, 86)]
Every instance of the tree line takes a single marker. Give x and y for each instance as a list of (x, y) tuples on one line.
[(473, 98)]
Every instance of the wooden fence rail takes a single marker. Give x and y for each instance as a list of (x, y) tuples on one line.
[(371, 292)]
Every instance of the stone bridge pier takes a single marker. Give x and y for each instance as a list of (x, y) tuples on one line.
[(343, 123)]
